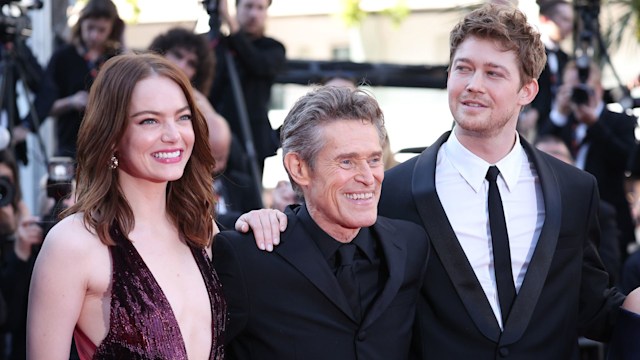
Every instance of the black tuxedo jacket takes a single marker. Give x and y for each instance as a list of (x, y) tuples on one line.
[(240, 196), (289, 305), (565, 290)]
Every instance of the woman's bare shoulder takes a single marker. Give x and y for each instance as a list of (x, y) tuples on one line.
[(71, 235)]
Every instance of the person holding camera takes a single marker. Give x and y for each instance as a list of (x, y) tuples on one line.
[(258, 59), (600, 140), (556, 24), (21, 236)]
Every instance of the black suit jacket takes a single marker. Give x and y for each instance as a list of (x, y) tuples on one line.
[(565, 290), (612, 141), (257, 62), (546, 84), (289, 305), (239, 193)]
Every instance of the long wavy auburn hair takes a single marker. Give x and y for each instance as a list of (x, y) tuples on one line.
[(190, 199)]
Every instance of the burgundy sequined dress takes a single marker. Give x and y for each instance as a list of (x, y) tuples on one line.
[(141, 323)]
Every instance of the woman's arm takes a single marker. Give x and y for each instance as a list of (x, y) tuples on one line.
[(57, 291)]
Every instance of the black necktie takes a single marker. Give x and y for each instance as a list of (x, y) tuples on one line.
[(346, 276), (500, 241)]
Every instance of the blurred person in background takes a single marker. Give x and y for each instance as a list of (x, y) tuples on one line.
[(601, 141), (96, 37), (20, 237), (556, 24), (283, 195), (258, 59), (609, 247), (235, 191)]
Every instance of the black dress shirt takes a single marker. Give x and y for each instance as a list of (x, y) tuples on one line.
[(370, 267)]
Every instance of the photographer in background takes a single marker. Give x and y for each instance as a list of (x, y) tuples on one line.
[(601, 141), (258, 59), (20, 236)]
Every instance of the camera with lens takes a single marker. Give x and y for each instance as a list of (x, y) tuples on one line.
[(580, 94), (14, 22), (60, 177), (7, 191)]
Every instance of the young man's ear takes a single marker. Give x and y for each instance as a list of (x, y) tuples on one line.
[(528, 92)]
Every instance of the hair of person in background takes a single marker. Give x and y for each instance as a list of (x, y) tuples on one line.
[(198, 44), (100, 9)]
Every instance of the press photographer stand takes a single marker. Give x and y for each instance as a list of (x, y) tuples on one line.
[(12, 63), (238, 95)]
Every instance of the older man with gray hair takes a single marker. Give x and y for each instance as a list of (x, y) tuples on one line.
[(343, 283)]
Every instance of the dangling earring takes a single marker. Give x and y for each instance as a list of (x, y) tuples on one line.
[(113, 163)]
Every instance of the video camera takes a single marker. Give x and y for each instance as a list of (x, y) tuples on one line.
[(7, 191), (14, 22)]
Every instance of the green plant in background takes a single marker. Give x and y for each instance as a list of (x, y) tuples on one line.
[(353, 15), (622, 22), (135, 10)]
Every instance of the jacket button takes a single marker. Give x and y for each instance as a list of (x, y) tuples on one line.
[(504, 352), (362, 335)]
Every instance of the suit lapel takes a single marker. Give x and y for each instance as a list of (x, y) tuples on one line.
[(446, 245), (450, 252), (538, 268), (303, 254), (395, 254)]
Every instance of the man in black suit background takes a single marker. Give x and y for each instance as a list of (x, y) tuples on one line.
[(343, 283), (236, 191), (556, 25), (257, 59), (559, 288), (600, 140), (609, 247)]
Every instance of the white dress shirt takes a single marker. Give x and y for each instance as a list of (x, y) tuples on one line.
[(463, 190)]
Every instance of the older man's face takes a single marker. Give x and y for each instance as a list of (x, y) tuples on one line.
[(344, 186)]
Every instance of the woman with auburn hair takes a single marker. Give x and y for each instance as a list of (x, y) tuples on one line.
[(128, 271)]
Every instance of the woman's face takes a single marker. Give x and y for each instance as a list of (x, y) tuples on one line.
[(95, 32), (159, 137)]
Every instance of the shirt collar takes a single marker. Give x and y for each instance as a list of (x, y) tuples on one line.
[(328, 246), (474, 169)]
